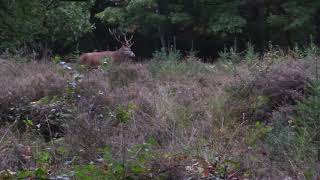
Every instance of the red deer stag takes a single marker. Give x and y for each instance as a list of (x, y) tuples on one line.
[(95, 59)]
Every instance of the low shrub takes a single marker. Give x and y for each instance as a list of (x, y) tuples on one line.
[(295, 136), (169, 56), (259, 94), (250, 56), (31, 91), (188, 66), (228, 56), (281, 99), (284, 83), (27, 82)]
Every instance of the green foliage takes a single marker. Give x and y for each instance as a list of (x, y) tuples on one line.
[(258, 133), (181, 18), (310, 174), (300, 11), (38, 173), (260, 101), (90, 172), (136, 165), (24, 174), (297, 137), (141, 154), (280, 138), (106, 63), (56, 59), (123, 114), (225, 23), (146, 16), (226, 18), (72, 20), (273, 54), (44, 22), (226, 166), (47, 100), (55, 24), (312, 49), (137, 13), (43, 158), (184, 117), (277, 20), (41, 173), (28, 122), (162, 55), (250, 56), (115, 167), (171, 63), (295, 17), (112, 15), (306, 123), (228, 56)]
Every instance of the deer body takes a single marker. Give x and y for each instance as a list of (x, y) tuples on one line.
[(94, 59)]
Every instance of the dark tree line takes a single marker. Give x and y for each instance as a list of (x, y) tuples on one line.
[(205, 25)]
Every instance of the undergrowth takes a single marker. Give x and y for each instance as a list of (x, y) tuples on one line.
[(249, 115)]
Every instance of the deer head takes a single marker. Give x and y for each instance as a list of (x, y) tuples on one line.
[(125, 42)]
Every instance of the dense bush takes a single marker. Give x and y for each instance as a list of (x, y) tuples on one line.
[(279, 85), (280, 98), (295, 134)]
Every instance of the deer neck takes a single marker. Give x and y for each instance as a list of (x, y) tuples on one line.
[(118, 55)]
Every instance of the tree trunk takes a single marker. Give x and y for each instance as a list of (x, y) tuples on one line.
[(43, 51), (174, 43), (162, 40), (288, 39), (257, 23)]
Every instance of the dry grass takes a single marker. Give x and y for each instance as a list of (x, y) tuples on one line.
[(285, 82), (8, 156), (28, 82), (176, 113), (191, 109)]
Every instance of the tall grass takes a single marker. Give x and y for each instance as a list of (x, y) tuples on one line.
[(173, 117)]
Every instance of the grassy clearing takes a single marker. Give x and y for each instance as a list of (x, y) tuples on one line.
[(170, 118)]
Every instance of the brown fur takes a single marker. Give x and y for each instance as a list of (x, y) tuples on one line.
[(94, 59)]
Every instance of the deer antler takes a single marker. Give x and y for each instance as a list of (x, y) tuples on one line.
[(114, 34), (127, 42)]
